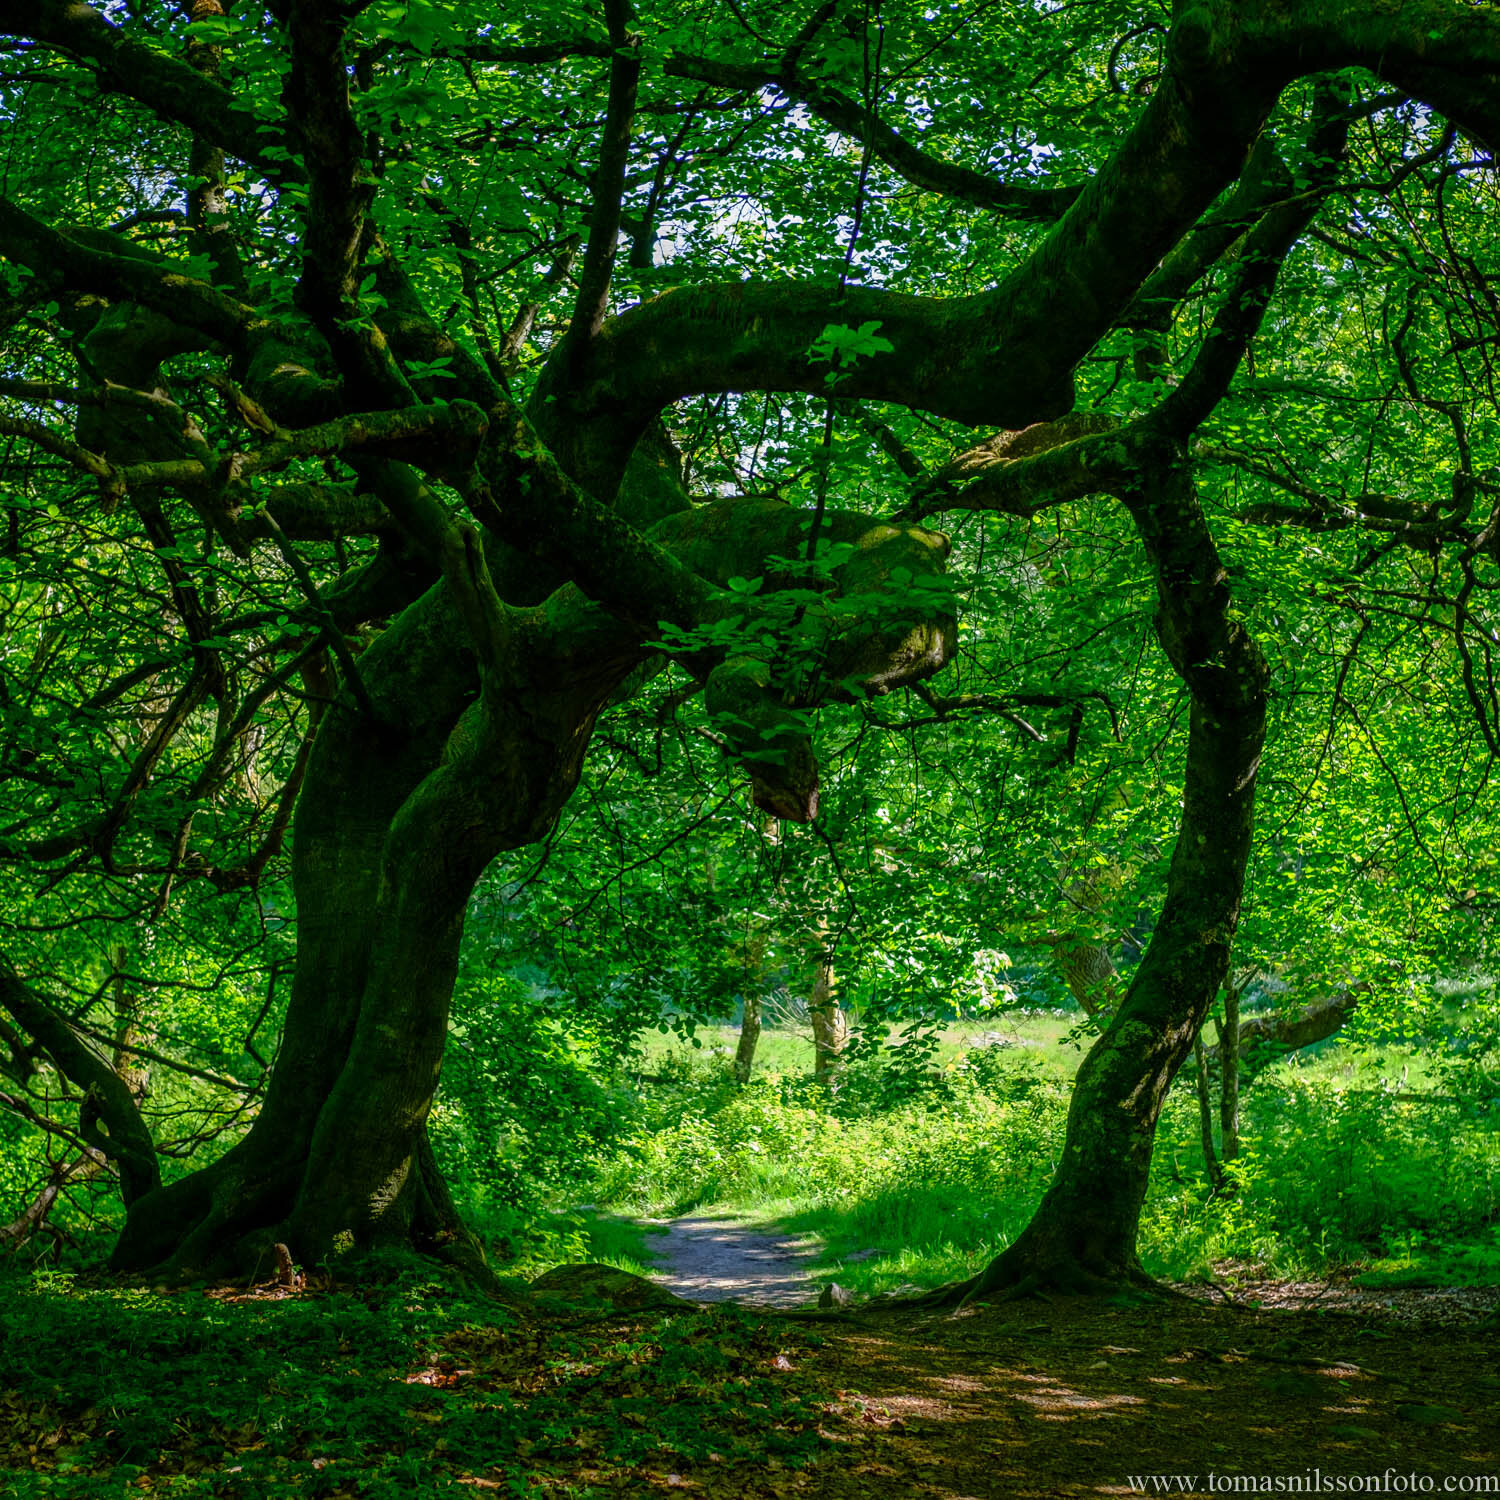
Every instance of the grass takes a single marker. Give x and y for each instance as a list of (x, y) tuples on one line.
[(905, 1176), (790, 1051), (611, 1240)]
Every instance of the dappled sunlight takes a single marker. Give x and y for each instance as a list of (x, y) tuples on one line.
[(1011, 1401), (1055, 1399), (712, 1260)]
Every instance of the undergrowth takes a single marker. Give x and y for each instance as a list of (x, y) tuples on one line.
[(930, 1187)]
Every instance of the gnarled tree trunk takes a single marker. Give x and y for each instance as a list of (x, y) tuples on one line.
[(1084, 1231), (401, 810)]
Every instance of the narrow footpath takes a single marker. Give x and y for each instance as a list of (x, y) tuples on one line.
[(720, 1260)]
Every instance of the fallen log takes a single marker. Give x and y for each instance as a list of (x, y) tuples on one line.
[(1265, 1039)]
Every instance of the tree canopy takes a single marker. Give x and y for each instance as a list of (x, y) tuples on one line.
[(411, 409)]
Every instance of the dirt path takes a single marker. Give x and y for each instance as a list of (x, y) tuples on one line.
[(720, 1260)]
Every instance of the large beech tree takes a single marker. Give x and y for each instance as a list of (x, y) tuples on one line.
[(355, 373)]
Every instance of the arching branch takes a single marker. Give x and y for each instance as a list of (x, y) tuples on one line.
[(920, 168), (128, 1142)]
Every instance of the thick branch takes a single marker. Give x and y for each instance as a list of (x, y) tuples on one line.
[(316, 513), (341, 185), (1446, 54), (609, 180), (1266, 1039), (527, 498), (443, 437), (1254, 279), (1022, 473), (1264, 182), (128, 1142), (63, 260), (1000, 358), (453, 548), (167, 86)]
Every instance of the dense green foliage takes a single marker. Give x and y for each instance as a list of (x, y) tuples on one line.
[(406, 398), (1332, 1175)]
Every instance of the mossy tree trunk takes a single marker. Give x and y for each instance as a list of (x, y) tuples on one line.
[(1084, 1231), (459, 732), (438, 758)]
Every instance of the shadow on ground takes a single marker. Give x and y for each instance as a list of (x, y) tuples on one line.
[(1068, 1397)]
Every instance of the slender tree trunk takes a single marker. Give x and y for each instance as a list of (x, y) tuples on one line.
[(756, 940), (830, 1026), (1229, 1075), (744, 1053), (1083, 1234), (1206, 1116)]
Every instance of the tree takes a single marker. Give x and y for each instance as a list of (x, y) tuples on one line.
[(387, 529)]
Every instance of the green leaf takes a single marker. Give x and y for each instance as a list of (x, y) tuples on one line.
[(846, 346)]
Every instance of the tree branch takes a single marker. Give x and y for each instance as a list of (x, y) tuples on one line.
[(59, 259), (608, 183), (341, 187), (917, 167), (1254, 279), (169, 87), (999, 358), (1023, 473), (128, 1142)]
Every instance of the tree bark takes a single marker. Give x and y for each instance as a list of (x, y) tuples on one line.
[(1263, 1040), (830, 1026), (1229, 1077), (744, 1053), (1088, 971), (399, 815), (1083, 1234), (1206, 1116)]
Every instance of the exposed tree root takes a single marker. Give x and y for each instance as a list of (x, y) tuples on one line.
[(821, 1314), (1008, 1279), (228, 1222)]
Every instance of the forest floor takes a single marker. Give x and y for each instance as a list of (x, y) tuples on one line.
[(362, 1393), (1311, 1385), (1073, 1398)]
